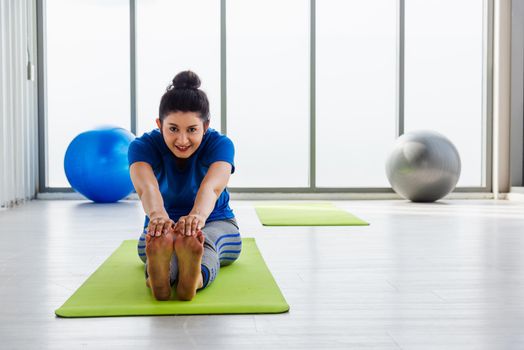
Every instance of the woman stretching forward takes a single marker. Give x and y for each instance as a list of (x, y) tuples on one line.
[(180, 172)]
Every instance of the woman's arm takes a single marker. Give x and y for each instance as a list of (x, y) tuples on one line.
[(146, 186), (210, 189)]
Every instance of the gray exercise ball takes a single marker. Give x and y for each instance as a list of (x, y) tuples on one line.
[(423, 166)]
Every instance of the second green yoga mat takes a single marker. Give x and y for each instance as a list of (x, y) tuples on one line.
[(305, 214), (117, 288)]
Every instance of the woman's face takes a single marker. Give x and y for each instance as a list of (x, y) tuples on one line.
[(183, 132)]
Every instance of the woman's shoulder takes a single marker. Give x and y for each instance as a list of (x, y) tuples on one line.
[(152, 138), (213, 137), (150, 147), (218, 147)]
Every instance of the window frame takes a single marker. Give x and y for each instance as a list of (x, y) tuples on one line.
[(487, 104)]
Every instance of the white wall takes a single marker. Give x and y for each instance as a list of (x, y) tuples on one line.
[(18, 102)]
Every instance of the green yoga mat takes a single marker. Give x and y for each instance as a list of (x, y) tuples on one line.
[(117, 288), (305, 214)]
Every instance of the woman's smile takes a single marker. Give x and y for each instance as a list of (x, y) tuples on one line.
[(182, 149)]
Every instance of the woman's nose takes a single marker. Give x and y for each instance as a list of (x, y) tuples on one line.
[(182, 138)]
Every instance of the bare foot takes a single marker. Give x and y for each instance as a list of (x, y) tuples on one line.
[(159, 251), (189, 250)]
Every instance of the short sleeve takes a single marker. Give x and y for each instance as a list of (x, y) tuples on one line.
[(221, 150), (140, 150)]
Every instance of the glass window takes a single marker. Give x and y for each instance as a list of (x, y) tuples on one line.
[(87, 73), (356, 91), (268, 87), (444, 72), (268, 80), (173, 36)]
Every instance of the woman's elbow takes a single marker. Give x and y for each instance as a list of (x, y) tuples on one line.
[(218, 191), (214, 190), (142, 190)]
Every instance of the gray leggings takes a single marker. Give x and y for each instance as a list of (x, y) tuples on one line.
[(222, 246)]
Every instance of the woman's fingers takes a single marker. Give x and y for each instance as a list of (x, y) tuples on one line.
[(151, 228), (157, 230), (200, 236), (180, 226), (166, 227), (159, 223), (177, 228), (194, 226), (159, 226), (172, 226), (188, 225), (189, 221)]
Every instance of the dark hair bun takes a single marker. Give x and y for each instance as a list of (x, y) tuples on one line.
[(186, 80)]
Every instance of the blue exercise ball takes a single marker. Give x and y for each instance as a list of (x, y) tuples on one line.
[(96, 164), (423, 166)]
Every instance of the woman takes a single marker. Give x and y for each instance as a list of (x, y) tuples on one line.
[(180, 172)]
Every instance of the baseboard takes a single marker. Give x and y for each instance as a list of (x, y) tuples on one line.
[(515, 196), (287, 196)]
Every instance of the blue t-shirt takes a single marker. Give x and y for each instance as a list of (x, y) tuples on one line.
[(178, 186)]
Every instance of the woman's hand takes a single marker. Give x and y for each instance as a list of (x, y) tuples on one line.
[(189, 225), (159, 225)]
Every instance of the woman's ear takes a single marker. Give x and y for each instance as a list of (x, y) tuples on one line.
[(159, 123), (206, 126)]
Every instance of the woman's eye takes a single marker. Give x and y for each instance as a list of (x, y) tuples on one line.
[(172, 129), (192, 129)]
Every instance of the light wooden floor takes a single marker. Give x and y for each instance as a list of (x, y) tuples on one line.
[(448, 275)]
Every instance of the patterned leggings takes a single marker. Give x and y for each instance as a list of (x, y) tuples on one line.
[(222, 246)]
